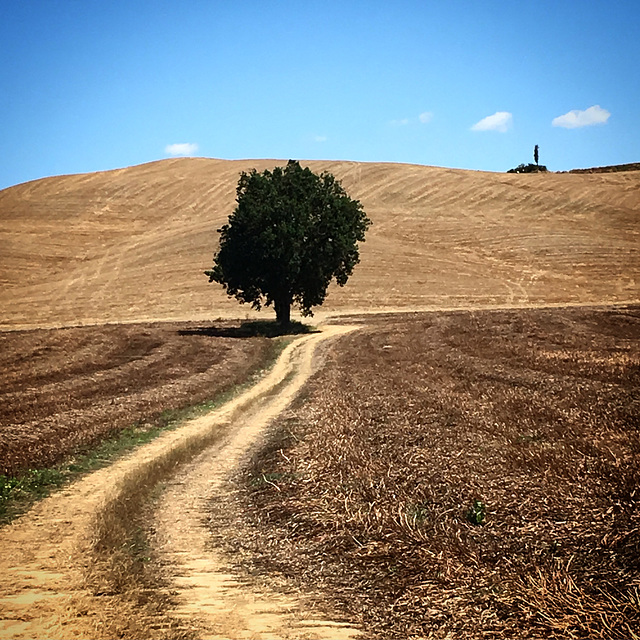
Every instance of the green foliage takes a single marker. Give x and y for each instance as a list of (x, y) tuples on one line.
[(291, 233), (477, 512), (528, 168), (419, 513), (34, 483)]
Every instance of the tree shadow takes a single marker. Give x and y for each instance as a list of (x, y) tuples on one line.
[(251, 329)]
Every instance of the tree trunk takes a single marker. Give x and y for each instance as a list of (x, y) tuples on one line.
[(282, 305)]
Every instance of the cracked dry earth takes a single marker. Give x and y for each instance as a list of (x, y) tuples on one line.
[(46, 553)]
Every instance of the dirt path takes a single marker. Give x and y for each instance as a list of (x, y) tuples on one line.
[(224, 606), (45, 554)]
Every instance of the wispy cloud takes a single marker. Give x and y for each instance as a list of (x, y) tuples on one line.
[(320, 138), (577, 118), (500, 121), (181, 149), (423, 118)]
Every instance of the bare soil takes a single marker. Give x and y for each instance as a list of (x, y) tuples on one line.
[(432, 400), (132, 244), (64, 390), (208, 594), (66, 567), (459, 475)]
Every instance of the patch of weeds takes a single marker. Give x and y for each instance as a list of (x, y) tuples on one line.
[(418, 513), (108, 450), (261, 480), (477, 513), (529, 438), (554, 548), (24, 489), (7, 485), (18, 493)]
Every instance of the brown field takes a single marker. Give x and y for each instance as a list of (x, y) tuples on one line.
[(131, 244), (365, 490), (64, 390), (531, 410)]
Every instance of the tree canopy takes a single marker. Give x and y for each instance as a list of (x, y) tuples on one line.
[(528, 168), (290, 234)]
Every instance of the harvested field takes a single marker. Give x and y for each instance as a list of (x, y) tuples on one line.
[(132, 244), (462, 474), (63, 390), (468, 473)]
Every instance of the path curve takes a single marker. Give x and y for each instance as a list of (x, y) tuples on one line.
[(45, 554), (223, 605)]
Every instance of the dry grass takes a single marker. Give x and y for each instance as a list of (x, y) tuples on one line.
[(65, 390), (121, 567), (532, 415), (368, 491), (132, 244), (103, 556)]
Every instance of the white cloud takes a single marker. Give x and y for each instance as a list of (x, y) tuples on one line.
[(181, 149), (320, 138), (423, 118), (500, 121), (576, 118)]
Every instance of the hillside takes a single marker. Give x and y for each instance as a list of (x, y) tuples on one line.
[(631, 166), (131, 244)]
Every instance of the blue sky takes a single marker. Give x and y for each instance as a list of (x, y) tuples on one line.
[(88, 85)]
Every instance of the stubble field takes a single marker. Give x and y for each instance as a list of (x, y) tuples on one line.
[(132, 244), (65, 390), (469, 473)]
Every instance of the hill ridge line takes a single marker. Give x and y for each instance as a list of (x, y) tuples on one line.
[(132, 244)]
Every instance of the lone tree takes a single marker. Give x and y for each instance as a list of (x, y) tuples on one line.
[(535, 154), (290, 234)]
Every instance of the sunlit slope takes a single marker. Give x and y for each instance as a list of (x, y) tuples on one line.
[(133, 243)]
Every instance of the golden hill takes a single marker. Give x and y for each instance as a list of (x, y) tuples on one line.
[(132, 244)]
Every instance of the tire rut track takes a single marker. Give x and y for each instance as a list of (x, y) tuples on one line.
[(47, 554), (224, 605)]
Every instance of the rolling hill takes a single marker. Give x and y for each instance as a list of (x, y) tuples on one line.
[(132, 244)]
